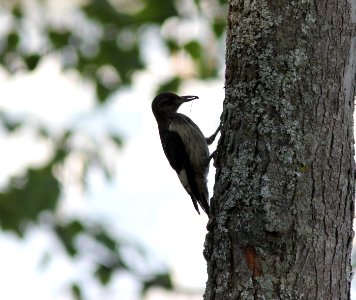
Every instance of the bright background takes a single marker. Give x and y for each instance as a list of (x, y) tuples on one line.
[(145, 200)]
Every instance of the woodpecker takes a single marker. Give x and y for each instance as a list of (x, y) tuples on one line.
[(185, 146)]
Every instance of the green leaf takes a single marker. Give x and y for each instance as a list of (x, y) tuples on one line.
[(32, 61), (157, 11), (171, 85), (163, 280), (76, 291), (103, 12), (197, 3), (123, 60), (117, 140), (102, 92), (194, 49), (59, 39), (104, 274), (103, 238), (219, 28), (43, 132), (13, 40), (68, 233), (17, 11), (206, 66), (9, 124), (27, 197), (61, 148), (172, 45)]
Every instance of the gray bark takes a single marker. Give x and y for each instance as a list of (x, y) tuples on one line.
[(283, 204)]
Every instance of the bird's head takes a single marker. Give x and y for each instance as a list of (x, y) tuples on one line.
[(166, 103)]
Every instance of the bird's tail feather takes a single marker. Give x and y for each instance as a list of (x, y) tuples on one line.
[(204, 204), (195, 203)]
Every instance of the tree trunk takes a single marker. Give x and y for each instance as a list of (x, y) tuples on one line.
[(283, 205)]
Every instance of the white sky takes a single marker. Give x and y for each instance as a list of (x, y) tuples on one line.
[(145, 201)]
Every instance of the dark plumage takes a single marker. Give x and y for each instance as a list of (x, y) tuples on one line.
[(184, 146)]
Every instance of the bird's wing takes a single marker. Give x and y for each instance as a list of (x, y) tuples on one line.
[(193, 141), (197, 154), (174, 149)]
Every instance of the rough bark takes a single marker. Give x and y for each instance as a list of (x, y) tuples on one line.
[(283, 205)]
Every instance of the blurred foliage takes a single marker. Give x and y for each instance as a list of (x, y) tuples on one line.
[(104, 42), (111, 35)]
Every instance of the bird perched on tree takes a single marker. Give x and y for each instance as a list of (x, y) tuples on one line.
[(185, 146)]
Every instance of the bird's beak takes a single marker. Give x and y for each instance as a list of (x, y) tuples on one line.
[(188, 98)]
